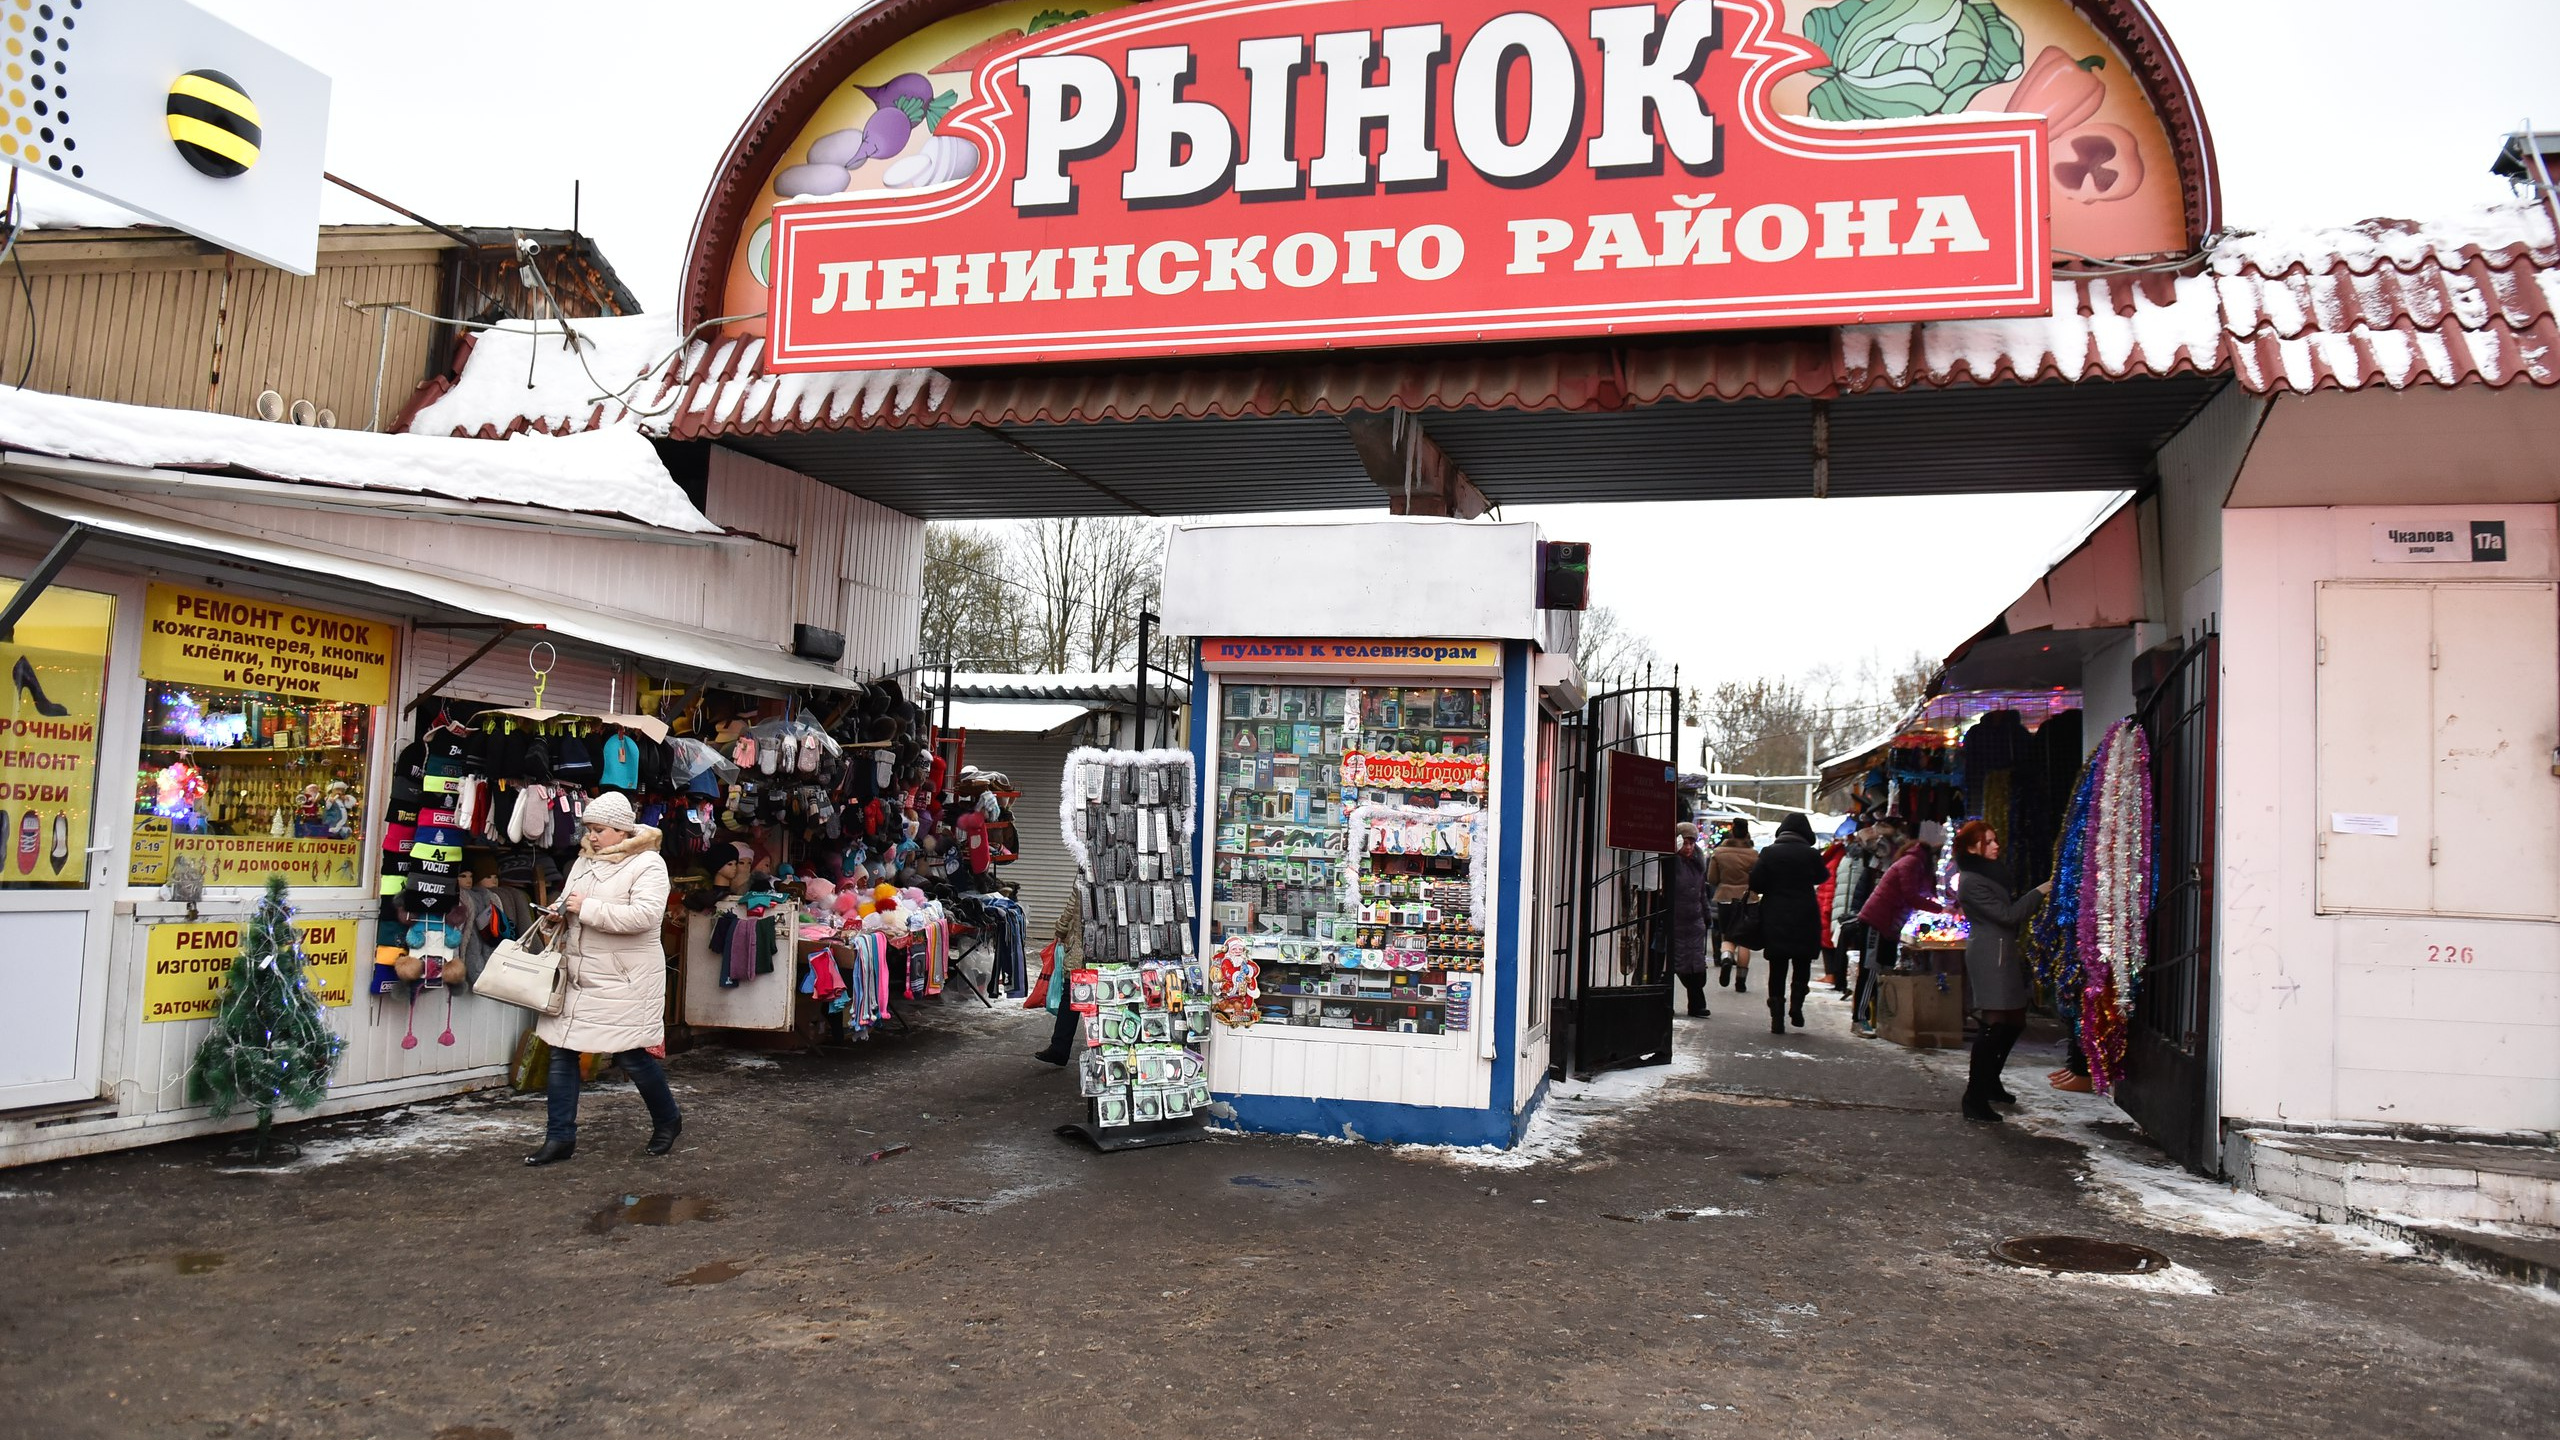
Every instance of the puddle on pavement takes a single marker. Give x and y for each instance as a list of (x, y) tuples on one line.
[(1709, 1212), (956, 1207), (651, 1210), (475, 1432), (201, 1262), (718, 1272), (1272, 1182)]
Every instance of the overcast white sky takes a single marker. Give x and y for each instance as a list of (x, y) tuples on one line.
[(2323, 111)]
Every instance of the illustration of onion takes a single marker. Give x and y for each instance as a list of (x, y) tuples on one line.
[(813, 180), (760, 253), (944, 159)]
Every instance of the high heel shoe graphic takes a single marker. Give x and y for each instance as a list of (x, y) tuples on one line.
[(23, 676), (61, 851)]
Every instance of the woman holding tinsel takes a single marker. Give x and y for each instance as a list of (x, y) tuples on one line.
[(1995, 968)]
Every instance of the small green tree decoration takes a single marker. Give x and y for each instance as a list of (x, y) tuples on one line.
[(271, 1044)]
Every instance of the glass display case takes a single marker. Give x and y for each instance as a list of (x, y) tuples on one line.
[(1346, 823), (240, 763)]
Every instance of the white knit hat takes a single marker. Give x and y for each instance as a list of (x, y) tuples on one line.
[(610, 809)]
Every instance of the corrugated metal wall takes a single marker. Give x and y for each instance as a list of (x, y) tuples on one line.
[(1047, 873), (132, 319), (738, 592), (859, 567), (504, 676)]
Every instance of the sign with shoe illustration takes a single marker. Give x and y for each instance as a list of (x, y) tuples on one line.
[(57, 666)]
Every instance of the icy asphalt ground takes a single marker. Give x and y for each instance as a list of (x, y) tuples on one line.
[(1771, 1237)]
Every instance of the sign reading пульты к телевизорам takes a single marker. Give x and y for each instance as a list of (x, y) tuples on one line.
[(1228, 176)]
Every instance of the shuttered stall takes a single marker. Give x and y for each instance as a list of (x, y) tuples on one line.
[(1037, 764)]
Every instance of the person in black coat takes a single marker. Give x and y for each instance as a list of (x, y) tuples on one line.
[(1786, 877)]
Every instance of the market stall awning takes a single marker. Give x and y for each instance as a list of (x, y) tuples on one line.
[(1015, 717), (2081, 604), (405, 590)]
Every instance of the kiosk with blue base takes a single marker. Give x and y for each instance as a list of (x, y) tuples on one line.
[(1366, 701)]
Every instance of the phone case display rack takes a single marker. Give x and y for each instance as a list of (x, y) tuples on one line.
[(1127, 820), (1348, 822)]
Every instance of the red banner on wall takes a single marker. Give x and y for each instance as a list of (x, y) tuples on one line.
[(1249, 175)]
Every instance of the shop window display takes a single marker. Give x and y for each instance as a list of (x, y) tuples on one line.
[(244, 780), (1347, 822)]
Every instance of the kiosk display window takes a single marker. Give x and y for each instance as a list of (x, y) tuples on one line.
[(1346, 822)]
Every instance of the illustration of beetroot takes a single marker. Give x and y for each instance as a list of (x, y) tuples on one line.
[(2099, 163)]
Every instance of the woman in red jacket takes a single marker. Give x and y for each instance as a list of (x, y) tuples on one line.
[(1909, 885)]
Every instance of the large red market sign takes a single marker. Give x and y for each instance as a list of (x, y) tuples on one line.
[(1242, 175)]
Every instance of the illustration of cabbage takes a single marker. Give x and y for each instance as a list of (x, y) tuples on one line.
[(1893, 59)]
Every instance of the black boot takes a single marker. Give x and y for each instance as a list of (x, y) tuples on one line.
[(1724, 974), (1984, 1077), (1795, 1016), (662, 1138), (1046, 1058), (2007, 1036), (1777, 1024), (1741, 982), (1696, 985), (552, 1152)]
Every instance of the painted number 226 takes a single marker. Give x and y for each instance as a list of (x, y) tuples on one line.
[(2448, 955)]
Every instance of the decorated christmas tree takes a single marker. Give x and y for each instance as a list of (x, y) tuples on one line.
[(270, 1044)]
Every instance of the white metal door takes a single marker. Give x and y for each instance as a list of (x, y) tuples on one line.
[(57, 821)]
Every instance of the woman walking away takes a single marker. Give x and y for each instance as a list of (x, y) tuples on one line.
[(1689, 902), (1729, 871), (1994, 967), (1905, 888), (1787, 878), (613, 901), (1068, 936)]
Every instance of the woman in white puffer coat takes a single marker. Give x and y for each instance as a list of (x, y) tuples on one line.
[(612, 905)]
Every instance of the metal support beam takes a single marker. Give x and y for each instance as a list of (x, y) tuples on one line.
[(476, 656), (1418, 476), (36, 584)]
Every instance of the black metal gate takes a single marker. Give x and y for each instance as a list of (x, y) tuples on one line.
[(1612, 934), (2168, 1084)]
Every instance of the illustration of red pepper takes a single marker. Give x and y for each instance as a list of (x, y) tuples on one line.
[(2063, 90)]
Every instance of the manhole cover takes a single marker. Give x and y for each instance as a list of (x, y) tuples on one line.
[(2081, 1255)]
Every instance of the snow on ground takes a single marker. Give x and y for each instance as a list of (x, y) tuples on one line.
[(409, 1131), (2137, 1180), (1577, 1111)]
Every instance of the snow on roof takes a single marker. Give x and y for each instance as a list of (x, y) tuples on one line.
[(641, 382), (523, 375), (2470, 299), (1104, 686), (611, 473), (1016, 717), (51, 205)]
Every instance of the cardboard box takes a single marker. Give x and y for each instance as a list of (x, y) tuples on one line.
[(1911, 1010)]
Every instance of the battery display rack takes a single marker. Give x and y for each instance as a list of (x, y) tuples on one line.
[(1143, 1071)]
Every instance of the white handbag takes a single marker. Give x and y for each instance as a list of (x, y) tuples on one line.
[(526, 972)]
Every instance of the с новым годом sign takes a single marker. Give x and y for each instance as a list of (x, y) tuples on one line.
[(1226, 176)]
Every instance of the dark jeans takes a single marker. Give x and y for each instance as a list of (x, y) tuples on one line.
[(1835, 967), (1062, 1033), (1880, 956), (1696, 985), (1782, 996), (640, 1065)]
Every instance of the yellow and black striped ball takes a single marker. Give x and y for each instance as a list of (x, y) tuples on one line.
[(214, 123)]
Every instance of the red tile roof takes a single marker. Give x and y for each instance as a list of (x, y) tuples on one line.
[(2389, 303)]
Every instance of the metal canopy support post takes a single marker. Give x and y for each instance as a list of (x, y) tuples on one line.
[(1146, 627), (35, 585)]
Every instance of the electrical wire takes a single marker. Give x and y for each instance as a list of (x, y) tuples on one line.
[(576, 343), (27, 287)]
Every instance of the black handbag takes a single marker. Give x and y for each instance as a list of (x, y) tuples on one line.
[(1747, 928)]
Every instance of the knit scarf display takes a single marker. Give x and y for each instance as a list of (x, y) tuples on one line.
[(2090, 943)]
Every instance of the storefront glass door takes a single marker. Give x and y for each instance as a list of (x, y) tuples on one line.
[(54, 882)]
